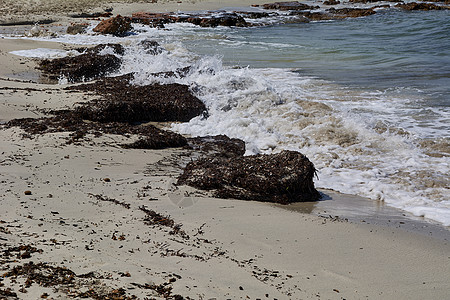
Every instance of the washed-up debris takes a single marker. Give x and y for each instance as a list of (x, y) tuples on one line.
[(283, 178), (115, 201), (20, 252), (164, 289), (64, 280), (151, 137), (42, 274), (154, 218)]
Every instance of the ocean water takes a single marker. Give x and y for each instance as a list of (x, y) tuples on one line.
[(366, 99)]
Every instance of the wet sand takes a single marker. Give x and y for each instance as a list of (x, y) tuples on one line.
[(360, 210)]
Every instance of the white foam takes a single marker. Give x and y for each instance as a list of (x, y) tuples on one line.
[(43, 53)]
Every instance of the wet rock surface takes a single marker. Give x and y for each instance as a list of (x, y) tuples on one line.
[(204, 20), (420, 6), (284, 178), (116, 26), (293, 5), (87, 66)]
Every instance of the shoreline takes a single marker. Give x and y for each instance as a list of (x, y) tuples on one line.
[(21, 73), (76, 215)]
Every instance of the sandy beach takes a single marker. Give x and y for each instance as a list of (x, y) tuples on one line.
[(83, 212)]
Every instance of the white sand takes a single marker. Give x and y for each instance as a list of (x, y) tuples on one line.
[(236, 249)]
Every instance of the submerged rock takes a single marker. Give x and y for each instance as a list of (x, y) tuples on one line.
[(283, 178)]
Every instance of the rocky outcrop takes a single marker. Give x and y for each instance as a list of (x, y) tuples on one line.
[(420, 6), (293, 5), (116, 26), (285, 177), (205, 20), (336, 14), (87, 66), (332, 2)]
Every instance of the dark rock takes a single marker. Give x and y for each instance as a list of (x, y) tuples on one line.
[(116, 26), (224, 19), (254, 14), (373, 1), (419, 6), (336, 14), (294, 5), (76, 28), (283, 178), (204, 20), (87, 66), (332, 2), (105, 14), (152, 47), (351, 12), (218, 145), (124, 102), (116, 49)]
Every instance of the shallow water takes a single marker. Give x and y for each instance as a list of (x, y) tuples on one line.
[(366, 99)]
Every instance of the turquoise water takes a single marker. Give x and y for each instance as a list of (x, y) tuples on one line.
[(390, 49)]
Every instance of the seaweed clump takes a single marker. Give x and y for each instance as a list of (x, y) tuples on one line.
[(284, 177), (219, 145), (89, 65), (124, 102), (150, 137)]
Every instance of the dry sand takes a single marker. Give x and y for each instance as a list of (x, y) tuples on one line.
[(78, 215)]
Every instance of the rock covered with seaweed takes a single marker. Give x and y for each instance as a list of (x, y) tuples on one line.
[(284, 177), (93, 63)]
